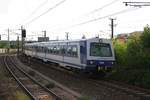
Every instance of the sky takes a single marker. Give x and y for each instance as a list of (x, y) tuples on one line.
[(76, 17)]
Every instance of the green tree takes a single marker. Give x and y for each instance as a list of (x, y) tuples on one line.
[(145, 41), (120, 52), (145, 37), (134, 51)]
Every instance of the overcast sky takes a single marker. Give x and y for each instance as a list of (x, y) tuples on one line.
[(78, 17)]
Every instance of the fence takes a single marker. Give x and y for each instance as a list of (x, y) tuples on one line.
[(6, 50)]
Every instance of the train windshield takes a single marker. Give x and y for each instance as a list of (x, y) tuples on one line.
[(100, 49)]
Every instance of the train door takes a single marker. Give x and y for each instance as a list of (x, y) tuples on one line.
[(83, 52)]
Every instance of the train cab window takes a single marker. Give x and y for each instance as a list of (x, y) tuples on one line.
[(100, 50)]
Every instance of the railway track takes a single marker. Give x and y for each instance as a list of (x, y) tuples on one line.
[(136, 92), (34, 89), (144, 94)]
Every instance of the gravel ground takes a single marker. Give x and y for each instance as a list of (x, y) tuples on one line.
[(80, 84)]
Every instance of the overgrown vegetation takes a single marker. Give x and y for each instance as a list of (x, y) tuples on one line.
[(13, 44), (133, 59), (3, 44), (21, 96), (50, 85)]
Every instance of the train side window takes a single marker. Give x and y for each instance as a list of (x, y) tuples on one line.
[(69, 51), (65, 50), (49, 50), (58, 50), (61, 50), (45, 49), (37, 48), (32, 48), (54, 49), (74, 51), (40, 49)]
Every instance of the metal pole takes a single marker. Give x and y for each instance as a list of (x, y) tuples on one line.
[(44, 33), (112, 27), (18, 45), (8, 42), (22, 40), (67, 33)]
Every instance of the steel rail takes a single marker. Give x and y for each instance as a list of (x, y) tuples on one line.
[(45, 88), (36, 82), (18, 81), (124, 88)]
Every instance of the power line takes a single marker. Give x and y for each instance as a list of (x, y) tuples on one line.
[(117, 13), (96, 19), (45, 12), (96, 10), (40, 6)]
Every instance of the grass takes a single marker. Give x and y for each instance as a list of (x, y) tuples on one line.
[(50, 85), (133, 76), (21, 96)]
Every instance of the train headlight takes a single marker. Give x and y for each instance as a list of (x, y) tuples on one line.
[(112, 63), (91, 62)]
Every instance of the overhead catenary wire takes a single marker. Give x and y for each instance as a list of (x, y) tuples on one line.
[(96, 19), (45, 12), (113, 14), (98, 9), (32, 13)]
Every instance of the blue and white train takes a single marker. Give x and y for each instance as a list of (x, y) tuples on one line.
[(87, 55)]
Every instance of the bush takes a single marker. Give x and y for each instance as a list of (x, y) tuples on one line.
[(50, 85), (120, 53), (21, 96), (146, 80), (134, 52), (145, 37), (133, 60)]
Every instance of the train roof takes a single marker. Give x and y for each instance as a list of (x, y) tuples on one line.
[(64, 41)]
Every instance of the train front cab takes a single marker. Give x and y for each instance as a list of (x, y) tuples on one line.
[(100, 55)]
